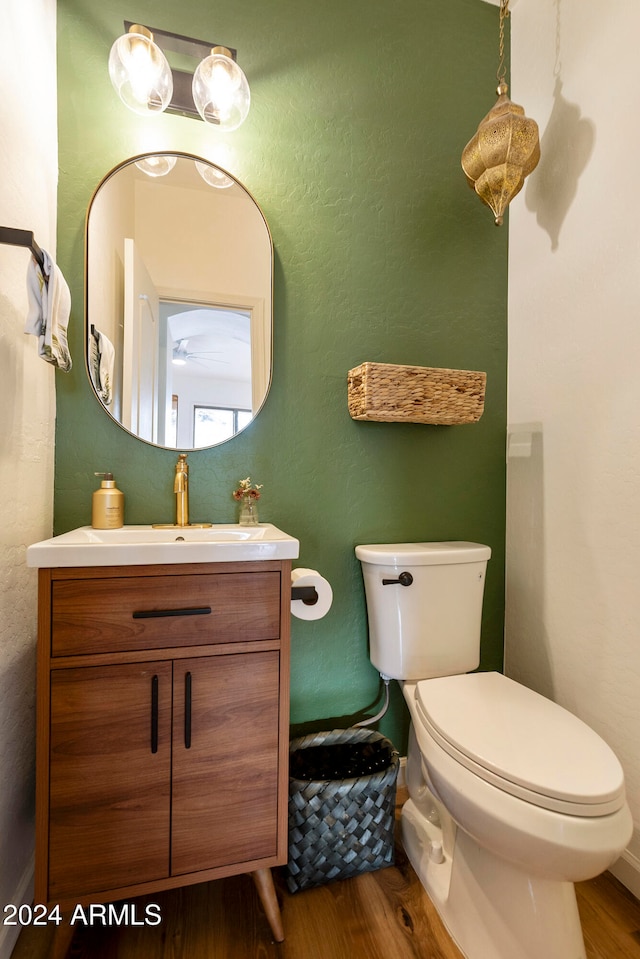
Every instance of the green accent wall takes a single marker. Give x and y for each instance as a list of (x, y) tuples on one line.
[(360, 111)]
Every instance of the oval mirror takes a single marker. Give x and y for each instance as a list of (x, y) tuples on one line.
[(179, 292)]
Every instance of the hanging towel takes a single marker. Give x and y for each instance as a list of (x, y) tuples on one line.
[(102, 361), (48, 313)]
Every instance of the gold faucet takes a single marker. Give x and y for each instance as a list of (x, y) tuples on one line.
[(181, 489)]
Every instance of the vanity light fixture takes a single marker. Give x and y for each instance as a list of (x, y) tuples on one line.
[(506, 146), (218, 91), (140, 72)]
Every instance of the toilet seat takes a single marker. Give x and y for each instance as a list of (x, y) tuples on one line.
[(522, 743)]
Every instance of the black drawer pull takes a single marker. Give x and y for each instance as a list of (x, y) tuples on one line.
[(157, 613), (154, 714), (187, 711)]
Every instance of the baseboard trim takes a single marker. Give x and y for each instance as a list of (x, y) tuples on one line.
[(24, 893), (627, 870)]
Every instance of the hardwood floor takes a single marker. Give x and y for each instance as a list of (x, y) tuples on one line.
[(380, 915), (610, 919)]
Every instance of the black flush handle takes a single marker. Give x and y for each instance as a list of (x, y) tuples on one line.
[(405, 579)]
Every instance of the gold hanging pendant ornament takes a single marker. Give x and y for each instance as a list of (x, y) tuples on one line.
[(505, 148)]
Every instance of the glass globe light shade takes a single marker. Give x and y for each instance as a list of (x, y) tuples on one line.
[(156, 165), (213, 176), (140, 72), (220, 90)]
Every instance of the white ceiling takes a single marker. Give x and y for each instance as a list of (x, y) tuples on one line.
[(214, 341)]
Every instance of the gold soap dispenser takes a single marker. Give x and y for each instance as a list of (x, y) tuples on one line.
[(107, 510)]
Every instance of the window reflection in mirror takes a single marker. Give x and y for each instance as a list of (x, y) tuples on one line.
[(213, 424), (179, 303)]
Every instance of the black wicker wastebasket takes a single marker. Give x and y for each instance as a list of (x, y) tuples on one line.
[(342, 793)]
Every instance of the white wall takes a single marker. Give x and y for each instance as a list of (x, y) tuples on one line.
[(573, 527), (28, 161)]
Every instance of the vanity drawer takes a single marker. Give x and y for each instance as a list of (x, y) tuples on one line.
[(129, 613)]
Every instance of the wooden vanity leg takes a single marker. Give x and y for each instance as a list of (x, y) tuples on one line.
[(61, 942), (266, 890)]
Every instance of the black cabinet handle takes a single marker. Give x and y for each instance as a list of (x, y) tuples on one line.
[(405, 579), (187, 711), (154, 714), (156, 613)]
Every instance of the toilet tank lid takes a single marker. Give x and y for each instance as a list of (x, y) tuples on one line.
[(423, 554)]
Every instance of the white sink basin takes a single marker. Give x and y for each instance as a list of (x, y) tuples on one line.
[(145, 545)]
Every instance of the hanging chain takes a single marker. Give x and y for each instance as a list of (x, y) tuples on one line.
[(504, 13)]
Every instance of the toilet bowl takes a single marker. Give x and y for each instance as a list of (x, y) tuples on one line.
[(512, 799), (503, 883), (524, 777)]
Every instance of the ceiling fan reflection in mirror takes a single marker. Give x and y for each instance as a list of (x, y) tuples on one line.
[(182, 354)]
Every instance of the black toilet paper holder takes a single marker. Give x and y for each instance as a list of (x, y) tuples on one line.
[(308, 594)]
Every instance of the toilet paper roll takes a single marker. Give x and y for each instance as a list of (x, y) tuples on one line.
[(311, 577)]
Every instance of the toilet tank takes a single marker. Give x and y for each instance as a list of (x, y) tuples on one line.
[(432, 626)]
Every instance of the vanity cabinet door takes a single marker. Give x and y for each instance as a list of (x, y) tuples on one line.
[(110, 767), (225, 760)]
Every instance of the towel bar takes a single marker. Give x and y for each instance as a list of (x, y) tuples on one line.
[(14, 237)]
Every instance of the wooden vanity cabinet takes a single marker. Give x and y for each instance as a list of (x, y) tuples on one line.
[(163, 727)]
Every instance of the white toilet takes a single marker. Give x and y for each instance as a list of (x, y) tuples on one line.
[(512, 798)]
